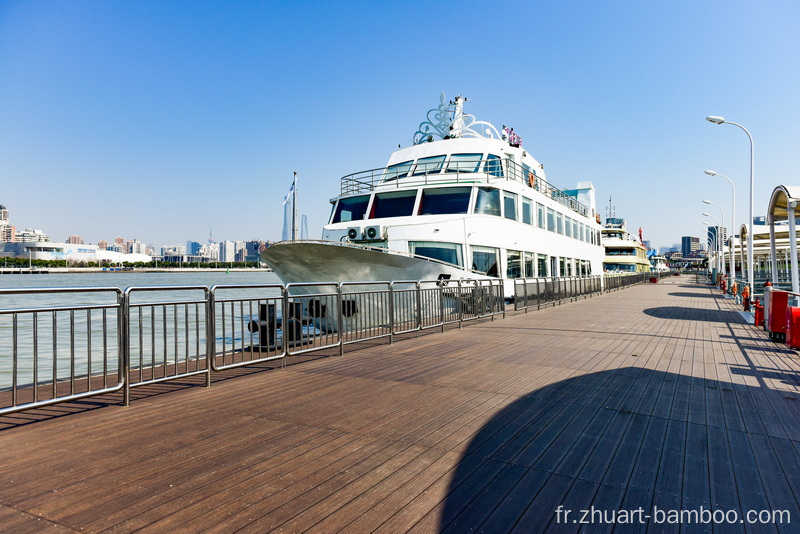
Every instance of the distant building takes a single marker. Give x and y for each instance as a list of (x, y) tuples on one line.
[(254, 249), (71, 253), (690, 246), (193, 248), (119, 240), (75, 240), (210, 251), (29, 235), (102, 245), (8, 233), (714, 232)]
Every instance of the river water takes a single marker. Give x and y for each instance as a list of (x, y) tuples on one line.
[(32, 337)]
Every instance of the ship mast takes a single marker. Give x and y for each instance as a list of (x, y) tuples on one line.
[(294, 207)]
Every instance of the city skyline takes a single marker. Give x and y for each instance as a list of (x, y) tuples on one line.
[(159, 120)]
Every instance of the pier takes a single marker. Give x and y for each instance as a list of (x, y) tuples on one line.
[(658, 397)]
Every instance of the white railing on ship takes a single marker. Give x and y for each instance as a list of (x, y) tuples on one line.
[(480, 170), (53, 350)]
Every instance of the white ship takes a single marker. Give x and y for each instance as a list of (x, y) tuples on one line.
[(465, 201), (624, 253)]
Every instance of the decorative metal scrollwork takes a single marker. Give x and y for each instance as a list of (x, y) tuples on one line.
[(443, 125)]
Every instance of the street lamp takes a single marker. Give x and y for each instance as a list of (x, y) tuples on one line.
[(733, 219), (722, 239), (721, 120), (711, 241), (720, 263)]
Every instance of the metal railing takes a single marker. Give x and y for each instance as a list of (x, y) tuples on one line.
[(54, 349), (479, 171), (538, 292)]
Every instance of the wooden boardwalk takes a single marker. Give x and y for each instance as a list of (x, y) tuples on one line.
[(656, 398)]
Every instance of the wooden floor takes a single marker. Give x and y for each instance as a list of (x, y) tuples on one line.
[(656, 398)]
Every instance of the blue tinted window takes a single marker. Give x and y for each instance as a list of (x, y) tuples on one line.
[(429, 165), (444, 200), (394, 204), (398, 170), (510, 206), (351, 209), (527, 211), (464, 163), (494, 166)]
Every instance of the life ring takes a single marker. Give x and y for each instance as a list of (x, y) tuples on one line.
[(531, 179)]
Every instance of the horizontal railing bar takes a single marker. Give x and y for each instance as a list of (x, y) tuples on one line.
[(59, 400), (59, 308)]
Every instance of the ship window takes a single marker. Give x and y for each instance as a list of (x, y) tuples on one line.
[(527, 209), (560, 223), (513, 264), (541, 265), (444, 200), (575, 229), (540, 215), (529, 265), (446, 252), (429, 165), (393, 204), (351, 209), (551, 220), (494, 167), (488, 201), (510, 206), (464, 163), (398, 170), (568, 226), (484, 260)]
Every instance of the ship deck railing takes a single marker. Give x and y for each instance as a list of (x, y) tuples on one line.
[(467, 172)]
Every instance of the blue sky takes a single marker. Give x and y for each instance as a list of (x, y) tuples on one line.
[(160, 120)]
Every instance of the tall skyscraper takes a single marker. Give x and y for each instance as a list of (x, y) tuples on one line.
[(690, 246), (192, 248)]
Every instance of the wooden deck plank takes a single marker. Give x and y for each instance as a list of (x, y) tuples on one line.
[(661, 396)]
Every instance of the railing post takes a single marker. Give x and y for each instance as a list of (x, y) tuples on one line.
[(525, 292), (211, 338), (441, 285), (391, 312), (123, 331), (418, 293), (499, 297), (285, 324), (340, 318), (460, 306)]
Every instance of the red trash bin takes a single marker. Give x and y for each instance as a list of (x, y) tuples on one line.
[(793, 327), (776, 318), (758, 316)]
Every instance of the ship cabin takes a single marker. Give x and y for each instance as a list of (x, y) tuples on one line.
[(624, 253), (481, 204)]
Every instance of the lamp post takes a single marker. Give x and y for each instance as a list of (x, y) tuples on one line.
[(711, 241), (733, 219), (720, 230), (721, 120), (720, 263)]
